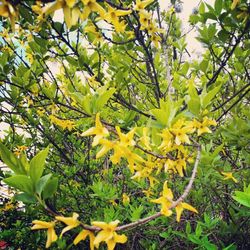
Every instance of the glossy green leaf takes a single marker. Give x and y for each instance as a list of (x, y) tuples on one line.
[(50, 188), (37, 164), (20, 182), (42, 183), (243, 198), (10, 160)]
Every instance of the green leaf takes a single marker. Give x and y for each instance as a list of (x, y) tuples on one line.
[(10, 160), (188, 228), (42, 183), (25, 198), (103, 99), (194, 105), (50, 188), (242, 198), (206, 98), (218, 6), (37, 165), (20, 182)]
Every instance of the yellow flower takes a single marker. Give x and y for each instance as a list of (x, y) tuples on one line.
[(71, 222), (202, 127), (7, 10), (126, 139), (99, 131), (106, 146), (156, 40), (229, 175), (112, 16), (71, 14), (108, 234), (145, 18), (167, 140), (141, 5), (83, 235), (91, 6), (51, 234), (181, 135), (165, 200), (180, 207), (125, 199)]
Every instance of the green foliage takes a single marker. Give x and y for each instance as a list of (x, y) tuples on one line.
[(54, 81)]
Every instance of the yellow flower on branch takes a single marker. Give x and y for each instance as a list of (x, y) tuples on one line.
[(126, 139), (145, 19), (108, 234), (7, 10), (99, 131), (112, 16), (181, 135), (202, 127), (51, 234), (165, 200), (71, 14), (71, 222), (180, 207), (229, 176), (141, 5), (91, 6), (83, 235)]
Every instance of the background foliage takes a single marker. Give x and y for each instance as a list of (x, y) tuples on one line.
[(132, 75)]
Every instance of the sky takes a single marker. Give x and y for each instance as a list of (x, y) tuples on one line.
[(193, 46)]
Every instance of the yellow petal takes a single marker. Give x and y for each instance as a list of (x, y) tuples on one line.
[(4, 11), (82, 236), (189, 207), (179, 210), (102, 236), (90, 131), (51, 237), (70, 3), (67, 16), (120, 238)]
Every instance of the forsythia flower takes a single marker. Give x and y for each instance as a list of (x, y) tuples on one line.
[(229, 176), (141, 5), (91, 6), (180, 207), (99, 131), (108, 234), (112, 16), (83, 235), (71, 222), (202, 127), (51, 234), (166, 201), (7, 10), (71, 14)]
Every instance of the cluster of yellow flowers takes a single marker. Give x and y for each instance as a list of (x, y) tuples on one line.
[(106, 232), (64, 124), (173, 140), (72, 13)]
